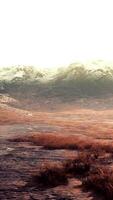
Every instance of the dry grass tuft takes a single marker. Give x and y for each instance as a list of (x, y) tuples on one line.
[(81, 165), (100, 180), (53, 141), (85, 166), (49, 177)]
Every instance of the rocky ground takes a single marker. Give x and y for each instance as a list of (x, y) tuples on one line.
[(19, 160)]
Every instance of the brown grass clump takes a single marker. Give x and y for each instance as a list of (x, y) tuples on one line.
[(54, 175), (86, 166), (81, 165), (101, 181), (56, 141), (53, 141), (49, 177)]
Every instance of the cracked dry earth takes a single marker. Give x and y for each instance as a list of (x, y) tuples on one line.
[(20, 160)]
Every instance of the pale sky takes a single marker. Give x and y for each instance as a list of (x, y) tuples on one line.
[(50, 33)]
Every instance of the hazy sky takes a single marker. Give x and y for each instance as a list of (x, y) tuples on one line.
[(52, 33)]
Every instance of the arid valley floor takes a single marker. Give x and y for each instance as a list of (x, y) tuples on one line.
[(75, 141)]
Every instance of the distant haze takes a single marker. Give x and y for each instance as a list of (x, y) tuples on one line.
[(54, 33)]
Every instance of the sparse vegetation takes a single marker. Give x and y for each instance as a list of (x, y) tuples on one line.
[(49, 177), (101, 181), (80, 138), (81, 165), (72, 142), (86, 167)]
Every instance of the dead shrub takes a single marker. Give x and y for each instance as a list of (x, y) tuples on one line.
[(100, 180), (49, 177), (81, 165)]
